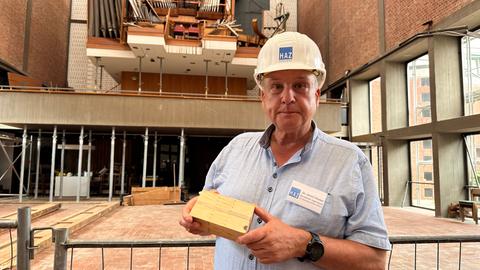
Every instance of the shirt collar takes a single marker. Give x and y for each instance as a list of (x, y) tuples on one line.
[(267, 135)]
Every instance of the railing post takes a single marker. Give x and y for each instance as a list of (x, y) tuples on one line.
[(23, 238), (60, 260)]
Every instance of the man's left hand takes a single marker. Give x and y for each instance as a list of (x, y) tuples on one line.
[(275, 241)]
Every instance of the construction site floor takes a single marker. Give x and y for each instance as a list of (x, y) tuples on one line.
[(161, 222)]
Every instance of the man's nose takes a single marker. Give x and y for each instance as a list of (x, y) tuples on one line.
[(288, 95)]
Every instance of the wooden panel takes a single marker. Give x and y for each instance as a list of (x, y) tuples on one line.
[(154, 195), (20, 80), (184, 83)]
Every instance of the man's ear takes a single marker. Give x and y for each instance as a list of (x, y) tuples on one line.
[(317, 96)]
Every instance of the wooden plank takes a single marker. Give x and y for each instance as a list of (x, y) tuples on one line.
[(43, 239), (36, 211), (153, 196)]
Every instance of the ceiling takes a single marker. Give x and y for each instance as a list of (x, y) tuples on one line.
[(176, 59)]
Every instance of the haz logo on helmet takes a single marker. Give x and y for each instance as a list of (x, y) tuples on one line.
[(285, 53)]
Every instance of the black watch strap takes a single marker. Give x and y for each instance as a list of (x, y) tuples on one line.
[(314, 250)]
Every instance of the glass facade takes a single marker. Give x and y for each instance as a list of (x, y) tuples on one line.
[(418, 87), (473, 159), (471, 74), (421, 174)]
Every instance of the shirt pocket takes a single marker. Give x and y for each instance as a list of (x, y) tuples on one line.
[(330, 222)]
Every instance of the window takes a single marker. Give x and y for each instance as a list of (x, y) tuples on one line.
[(427, 158), (421, 176), (344, 115), (427, 144), (374, 91), (425, 82), (473, 158), (426, 112), (426, 97), (418, 91), (471, 74)]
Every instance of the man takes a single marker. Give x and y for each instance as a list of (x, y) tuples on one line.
[(317, 205)]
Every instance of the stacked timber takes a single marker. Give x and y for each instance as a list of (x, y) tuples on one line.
[(152, 196)]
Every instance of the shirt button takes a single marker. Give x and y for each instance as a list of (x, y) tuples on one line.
[(274, 175), (270, 189), (251, 257), (259, 220)]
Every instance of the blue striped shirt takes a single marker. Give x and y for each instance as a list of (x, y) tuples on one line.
[(245, 169)]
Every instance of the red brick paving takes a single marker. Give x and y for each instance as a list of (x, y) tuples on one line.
[(161, 222)]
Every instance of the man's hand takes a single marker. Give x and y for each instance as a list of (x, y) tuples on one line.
[(275, 241), (187, 220)]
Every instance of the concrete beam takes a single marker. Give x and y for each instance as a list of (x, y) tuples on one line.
[(17, 107)]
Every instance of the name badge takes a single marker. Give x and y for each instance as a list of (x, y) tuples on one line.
[(307, 197)]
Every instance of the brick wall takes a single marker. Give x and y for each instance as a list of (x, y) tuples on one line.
[(12, 34), (348, 32), (47, 52), (404, 19), (49, 41), (353, 35), (314, 23)]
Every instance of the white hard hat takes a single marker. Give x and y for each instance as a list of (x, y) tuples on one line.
[(290, 50)]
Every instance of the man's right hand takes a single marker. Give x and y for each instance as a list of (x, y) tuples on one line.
[(187, 220)]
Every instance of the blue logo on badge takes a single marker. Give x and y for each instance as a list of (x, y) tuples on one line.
[(285, 53), (294, 192)]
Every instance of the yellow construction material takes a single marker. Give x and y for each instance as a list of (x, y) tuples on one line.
[(221, 215), (152, 195)]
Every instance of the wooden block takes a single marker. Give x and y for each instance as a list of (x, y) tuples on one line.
[(221, 215)]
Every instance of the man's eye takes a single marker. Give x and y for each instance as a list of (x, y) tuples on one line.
[(300, 86), (277, 87)]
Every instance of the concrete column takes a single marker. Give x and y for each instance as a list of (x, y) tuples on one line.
[(22, 164), (445, 78), (449, 174), (80, 159), (145, 151), (395, 109), (52, 170), (396, 173), (37, 170), (359, 108), (112, 159)]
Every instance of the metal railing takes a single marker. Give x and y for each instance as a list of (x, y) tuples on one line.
[(62, 245), (145, 93), (433, 242), (408, 252)]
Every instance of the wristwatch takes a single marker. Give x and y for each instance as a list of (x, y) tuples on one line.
[(314, 250)]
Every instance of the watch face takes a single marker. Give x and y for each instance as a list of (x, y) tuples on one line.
[(316, 251)]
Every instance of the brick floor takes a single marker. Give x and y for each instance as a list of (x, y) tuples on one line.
[(161, 222)]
